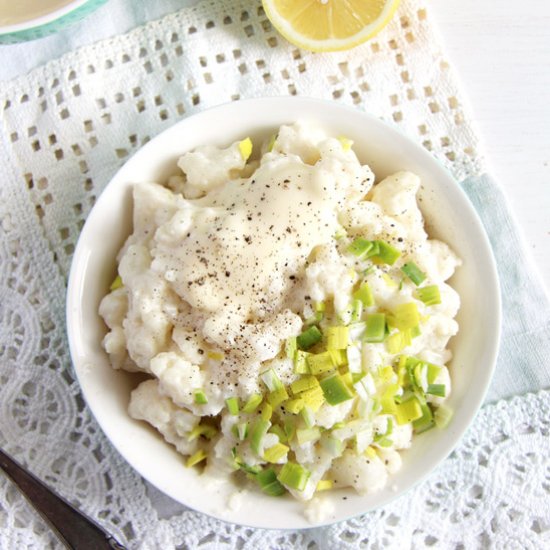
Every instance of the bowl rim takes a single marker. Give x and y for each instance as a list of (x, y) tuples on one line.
[(42, 20), (484, 245)]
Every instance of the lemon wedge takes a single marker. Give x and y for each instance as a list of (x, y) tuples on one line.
[(329, 25)]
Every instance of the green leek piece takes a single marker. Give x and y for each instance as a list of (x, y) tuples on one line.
[(275, 453), (335, 389), (413, 272), (307, 416), (339, 357), (442, 416), (405, 316), (279, 432), (309, 338), (304, 435), (439, 390), (360, 247), (275, 398), (257, 434), (324, 485), (200, 397), (271, 142), (313, 398), (294, 406), (300, 362), (426, 421), (252, 403), (387, 253), (337, 337), (267, 479), (290, 428), (204, 430), (271, 380), (245, 148), (430, 295), (364, 295), (356, 310), (304, 383), (334, 446), (319, 363), (291, 346), (408, 411), (242, 431), (117, 283), (398, 341), (376, 328), (267, 411), (433, 372), (232, 405), (251, 471), (384, 442), (387, 400), (199, 456), (294, 475)]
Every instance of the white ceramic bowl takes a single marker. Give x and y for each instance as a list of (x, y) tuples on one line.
[(31, 19), (450, 217)]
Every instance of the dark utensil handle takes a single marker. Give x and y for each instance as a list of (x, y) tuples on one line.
[(73, 528)]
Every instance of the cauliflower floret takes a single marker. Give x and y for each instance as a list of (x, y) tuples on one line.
[(113, 307), (149, 404), (396, 194), (178, 378), (300, 139), (208, 167), (364, 474)]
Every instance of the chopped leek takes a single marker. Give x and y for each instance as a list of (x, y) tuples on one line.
[(204, 430), (387, 253), (294, 406), (320, 362), (199, 456), (291, 346), (300, 362), (257, 435), (307, 416), (339, 357), (413, 272), (360, 247), (332, 445), (398, 341), (267, 412), (356, 310), (304, 435), (267, 479), (275, 398), (294, 475), (430, 295), (408, 411), (405, 316), (439, 390), (275, 453), (117, 283), (426, 421), (345, 142), (200, 397), (242, 431), (313, 398), (442, 416), (232, 405), (245, 148), (271, 380), (324, 485), (252, 404), (304, 383), (364, 295), (335, 389), (337, 337), (309, 338), (376, 328), (280, 433)]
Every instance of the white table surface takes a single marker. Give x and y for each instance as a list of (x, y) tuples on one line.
[(501, 54)]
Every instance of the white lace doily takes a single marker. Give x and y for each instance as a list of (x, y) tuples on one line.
[(67, 128)]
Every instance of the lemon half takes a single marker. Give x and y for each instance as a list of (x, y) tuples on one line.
[(329, 25)]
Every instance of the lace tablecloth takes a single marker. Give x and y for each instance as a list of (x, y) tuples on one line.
[(66, 129)]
